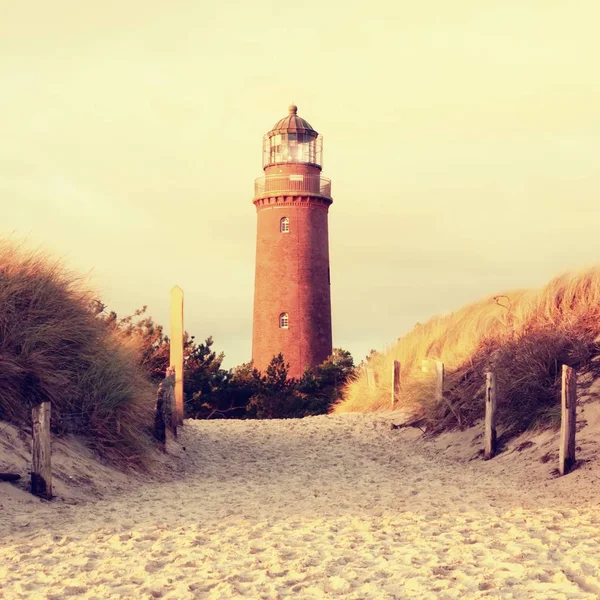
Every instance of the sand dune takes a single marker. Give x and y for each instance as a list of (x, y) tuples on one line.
[(324, 507)]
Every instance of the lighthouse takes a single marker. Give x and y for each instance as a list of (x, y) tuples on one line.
[(292, 299)]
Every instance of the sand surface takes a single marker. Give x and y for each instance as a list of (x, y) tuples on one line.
[(325, 507)]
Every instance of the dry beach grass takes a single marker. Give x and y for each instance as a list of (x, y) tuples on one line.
[(52, 347), (523, 337)]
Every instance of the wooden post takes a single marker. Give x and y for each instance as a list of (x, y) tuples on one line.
[(160, 422), (41, 471), (165, 417), (170, 401), (490, 416), (439, 384), (176, 341), (566, 454), (395, 383)]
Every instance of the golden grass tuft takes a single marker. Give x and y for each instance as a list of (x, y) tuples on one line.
[(524, 336), (54, 348)]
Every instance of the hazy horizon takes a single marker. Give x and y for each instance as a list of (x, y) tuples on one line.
[(461, 140)]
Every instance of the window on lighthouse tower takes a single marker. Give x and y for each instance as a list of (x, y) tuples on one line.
[(283, 321), (284, 225)]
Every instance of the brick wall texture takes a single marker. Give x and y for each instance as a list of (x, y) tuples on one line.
[(292, 276)]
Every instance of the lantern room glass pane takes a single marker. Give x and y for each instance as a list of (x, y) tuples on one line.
[(292, 148)]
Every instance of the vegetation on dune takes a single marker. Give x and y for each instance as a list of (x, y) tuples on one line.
[(244, 392), (524, 337), (53, 347), (212, 392), (100, 371)]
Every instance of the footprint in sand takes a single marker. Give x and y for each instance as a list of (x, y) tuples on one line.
[(288, 554), (154, 566), (190, 564), (74, 590)]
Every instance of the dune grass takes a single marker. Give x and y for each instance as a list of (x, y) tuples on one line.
[(523, 336), (54, 348)]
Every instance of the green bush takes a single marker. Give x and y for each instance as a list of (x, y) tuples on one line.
[(313, 394)]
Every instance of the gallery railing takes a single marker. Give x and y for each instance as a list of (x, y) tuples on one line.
[(312, 184)]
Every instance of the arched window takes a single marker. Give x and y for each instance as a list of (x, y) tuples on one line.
[(284, 225), (283, 321)]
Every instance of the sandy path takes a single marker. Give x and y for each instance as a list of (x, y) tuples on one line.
[(326, 507)]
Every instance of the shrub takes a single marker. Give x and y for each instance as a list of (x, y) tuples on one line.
[(209, 391), (213, 392), (314, 393), (149, 338), (276, 397), (321, 387)]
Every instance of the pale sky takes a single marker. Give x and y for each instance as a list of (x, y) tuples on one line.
[(462, 139)]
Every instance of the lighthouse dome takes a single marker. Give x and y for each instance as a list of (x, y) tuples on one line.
[(292, 140), (292, 123)]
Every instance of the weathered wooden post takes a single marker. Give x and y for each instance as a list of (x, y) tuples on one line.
[(165, 417), (566, 454), (176, 356), (170, 401), (41, 470), (160, 420), (395, 383), (490, 437), (439, 381)]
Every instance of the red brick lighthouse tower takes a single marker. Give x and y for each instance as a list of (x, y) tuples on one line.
[(292, 301)]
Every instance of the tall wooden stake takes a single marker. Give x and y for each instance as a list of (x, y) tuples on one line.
[(566, 454), (490, 416), (176, 357), (439, 384), (395, 383), (41, 470)]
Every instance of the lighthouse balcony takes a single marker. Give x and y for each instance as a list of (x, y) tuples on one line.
[(313, 185)]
